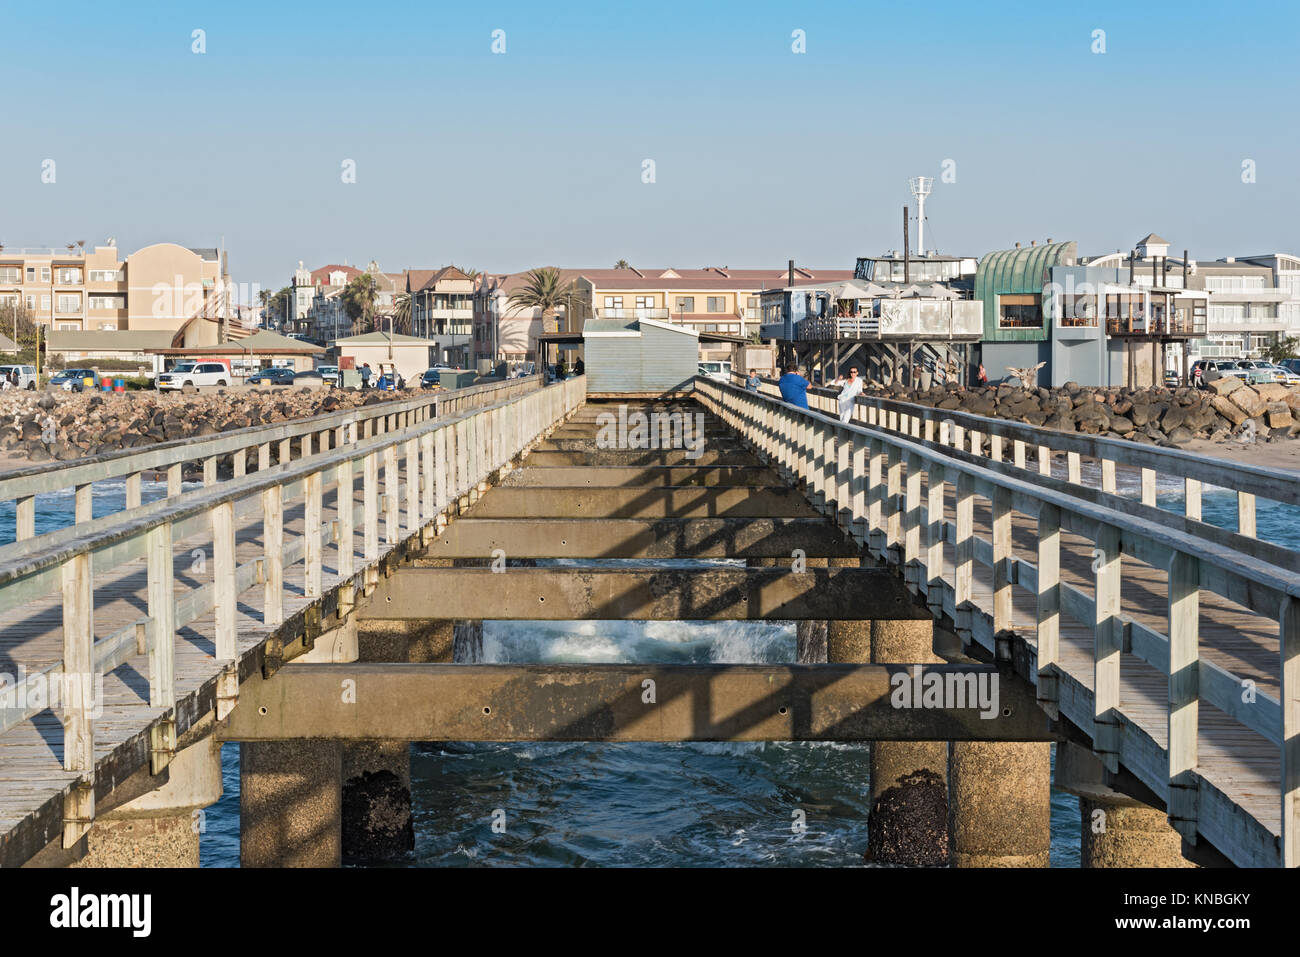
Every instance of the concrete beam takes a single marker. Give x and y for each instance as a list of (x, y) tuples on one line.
[(586, 502), (611, 476), (642, 538), (437, 702), (644, 594)]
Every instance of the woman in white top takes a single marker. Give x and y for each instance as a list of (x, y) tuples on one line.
[(850, 389)]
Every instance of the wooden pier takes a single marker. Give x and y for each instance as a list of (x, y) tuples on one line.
[(1162, 649)]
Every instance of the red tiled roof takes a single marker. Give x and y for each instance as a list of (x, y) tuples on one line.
[(321, 276)]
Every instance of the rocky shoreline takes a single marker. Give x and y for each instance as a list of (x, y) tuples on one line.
[(61, 426), (1226, 409)]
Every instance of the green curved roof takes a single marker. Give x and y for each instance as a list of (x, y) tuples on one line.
[(1017, 271)]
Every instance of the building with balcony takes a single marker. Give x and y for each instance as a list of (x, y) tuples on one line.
[(507, 333), (158, 287), (442, 312)]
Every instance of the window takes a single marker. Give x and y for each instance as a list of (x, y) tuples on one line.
[(31, 273), (107, 302), (1078, 311), (645, 302), (11, 274), (104, 275), (1020, 312), (45, 303), (31, 303), (45, 274), (69, 302), (69, 276), (716, 304), (8, 299), (69, 326), (685, 304)]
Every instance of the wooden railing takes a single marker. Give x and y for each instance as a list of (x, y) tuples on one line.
[(869, 480), (443, 459), (21, 486), (1000, 440)]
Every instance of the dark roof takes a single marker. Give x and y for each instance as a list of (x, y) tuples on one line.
[(207, 253), (1152, 239)]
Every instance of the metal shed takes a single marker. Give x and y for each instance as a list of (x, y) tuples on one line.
[(645, 357)]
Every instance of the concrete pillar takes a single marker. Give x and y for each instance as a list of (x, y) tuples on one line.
[(909, 810), (1116, 830), (999, 803), (289, 803), (161, 828)]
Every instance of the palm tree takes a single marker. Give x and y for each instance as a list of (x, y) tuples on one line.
[(359, 300), (469, 271), (622, 264), (541, 290), (402, 315)]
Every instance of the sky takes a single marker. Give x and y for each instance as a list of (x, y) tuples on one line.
[(538, 154)]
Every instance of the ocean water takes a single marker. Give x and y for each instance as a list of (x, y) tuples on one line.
[(648, 804)]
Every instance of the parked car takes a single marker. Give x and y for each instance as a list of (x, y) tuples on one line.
[(25, 377), (309, 378), (431, 379), (1214, 368), (1291, 365), (716, 370), (1280, 373), (329, 373), (73, 380), (194, 375), (274, 376), (1257, 371)]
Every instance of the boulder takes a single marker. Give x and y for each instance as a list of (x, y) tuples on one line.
[(1225, 385), (1249, 401), (1278, 415), (1229, 410)]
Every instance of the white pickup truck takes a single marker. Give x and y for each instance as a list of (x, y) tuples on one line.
[(194, 375)]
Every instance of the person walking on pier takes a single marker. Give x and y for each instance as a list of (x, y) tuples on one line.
[(850, 389), (752, 381), (794, 387), (365, 375)]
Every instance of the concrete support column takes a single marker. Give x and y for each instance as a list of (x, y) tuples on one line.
[(161, 828), (909, 810), (1115, 830), (289, 803), (999, 804)]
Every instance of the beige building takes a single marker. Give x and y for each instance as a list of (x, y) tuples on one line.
[(411, 355), (442, 312), (157, 288)]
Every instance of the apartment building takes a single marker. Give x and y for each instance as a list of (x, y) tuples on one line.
[(157, 288), (1250, 303), (442, 310), (307, 285), (504, 332)]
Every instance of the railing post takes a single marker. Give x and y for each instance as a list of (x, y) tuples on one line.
[(934, 577), (344, 506), (412, 486), (273, 556), (1074, 468), (912, 525), (1108, 475), (25, 518), (1289, 696), (1184, 692), (1044, 460), (370, 503), (1108, 642), (875, 497), (313, 548), (1246, 514), (1149, 487), (1192, 498), (79, 673), (427, 473), (209, 471), (1002, 618), (964, 570), (239, 462), (264, 456), (224, 606), (392, 489), (83, 508), (442, 469), (133, 490), (1049, 608), (1018, 453), (893, 491)]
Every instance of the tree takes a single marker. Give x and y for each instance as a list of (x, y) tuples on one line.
[(469, 271), (1284, 348), (402, 314), (622, 264), (359, 297), (542, 290)]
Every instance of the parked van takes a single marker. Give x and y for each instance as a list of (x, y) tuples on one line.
[(716, 370), (21, 377), (195, 374)]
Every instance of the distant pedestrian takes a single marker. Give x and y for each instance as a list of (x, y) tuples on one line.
[(794, 387), (981, 376), (752, 382), (850, 389), (365, 375)]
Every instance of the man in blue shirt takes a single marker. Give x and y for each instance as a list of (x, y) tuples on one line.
[(794, 387)]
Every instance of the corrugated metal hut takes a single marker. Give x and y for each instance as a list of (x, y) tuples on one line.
[(639, 357)]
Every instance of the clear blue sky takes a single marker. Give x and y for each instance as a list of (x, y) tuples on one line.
[(503, 162)]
